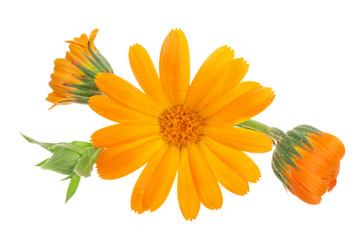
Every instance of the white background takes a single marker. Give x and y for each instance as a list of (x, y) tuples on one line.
[(307, 51)]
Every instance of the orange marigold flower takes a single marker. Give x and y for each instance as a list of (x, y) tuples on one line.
[(175, 128), (307, 162), (73, 77)]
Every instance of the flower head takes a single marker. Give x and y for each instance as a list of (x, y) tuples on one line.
[(175, 128), (73, 77), (307, 162)]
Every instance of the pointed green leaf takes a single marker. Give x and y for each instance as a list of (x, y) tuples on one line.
[(73, 185)]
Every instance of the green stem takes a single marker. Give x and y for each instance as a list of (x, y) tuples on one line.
[(273, 133)]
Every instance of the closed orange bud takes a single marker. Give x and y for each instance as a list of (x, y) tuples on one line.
[(307, 162)]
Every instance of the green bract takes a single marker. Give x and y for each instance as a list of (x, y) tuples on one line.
[(75, 159), (285, 152)]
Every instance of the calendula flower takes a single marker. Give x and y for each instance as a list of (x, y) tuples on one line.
[(73, 77), (307, 162), (180, 129)]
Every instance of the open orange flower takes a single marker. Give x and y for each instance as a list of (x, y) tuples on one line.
[(307, 162), (73, 77), (177, 128)]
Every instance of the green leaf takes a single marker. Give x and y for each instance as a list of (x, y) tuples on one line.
[(87, 161), (73, 185)]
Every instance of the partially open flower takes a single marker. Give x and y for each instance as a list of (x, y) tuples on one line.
[(73, 77), (307, 162)]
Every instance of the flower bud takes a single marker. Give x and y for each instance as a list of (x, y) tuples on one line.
[(73, 77), (307, 161), (75, 159)]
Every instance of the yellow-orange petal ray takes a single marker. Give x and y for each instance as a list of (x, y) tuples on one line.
[(240, 89), (234, 72), (205, 182), (243, 108), (159, 186), (113, 111), (119, 161), (208, 75), (235, 159), (126, 94), (64, 65), (146, 75), (144, 178), (228, 177), (175, 66), (239, 138), (188, 200), (123, 133)]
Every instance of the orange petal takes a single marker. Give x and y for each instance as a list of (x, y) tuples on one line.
[(208, 75), (64, 65), (64, 78), (243, 108), (146, 75), (123, 133), (126, 94), (328, 147), (188, 200), (239, 138), (235, 159), (175, 66), (108, 108), (143, 180), (234, 72), (159, 186), (305, 184), (299, 190), (119, 161), (205, 182), (80, 52), (240, 89), (230, 179), (57, 99)]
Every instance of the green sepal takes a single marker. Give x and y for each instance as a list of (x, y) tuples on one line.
[(98, 66), (89, 73), (73, 185), (41, 163), (83, 88), (47, 146), (62, 161), (299, 138), (100, 59), (87, 161), (277, 158), (307, 129), (68, 177), (285, 155), (278, 173), (85, 80)]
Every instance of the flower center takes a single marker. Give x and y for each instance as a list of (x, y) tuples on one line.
[(180, 126)]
